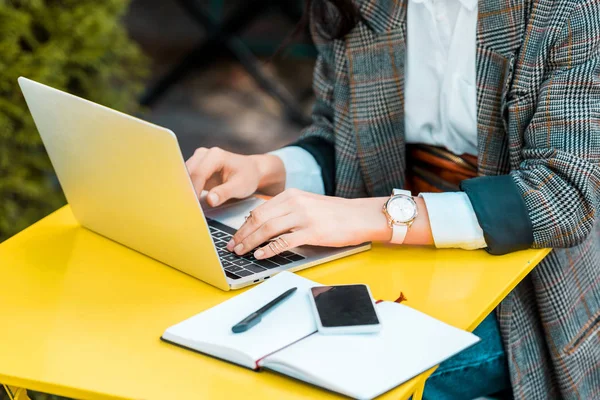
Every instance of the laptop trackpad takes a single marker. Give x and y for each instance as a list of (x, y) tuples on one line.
[(233, 214)]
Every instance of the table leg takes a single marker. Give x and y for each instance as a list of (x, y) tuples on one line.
[(418, 395), (16, 393)]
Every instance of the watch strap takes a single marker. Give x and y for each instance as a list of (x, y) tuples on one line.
[(396, 192), (399, 231)]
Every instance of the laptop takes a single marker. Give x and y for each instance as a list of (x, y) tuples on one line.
[(126, 179)]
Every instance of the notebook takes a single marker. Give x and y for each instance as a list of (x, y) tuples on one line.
[(361, 366)]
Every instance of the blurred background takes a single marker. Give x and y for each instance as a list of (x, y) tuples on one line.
[(202, 68)]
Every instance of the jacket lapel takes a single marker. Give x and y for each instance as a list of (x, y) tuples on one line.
[(376, 51), (382, 15), (500, 28)]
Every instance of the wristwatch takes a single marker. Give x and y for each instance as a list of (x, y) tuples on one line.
[(400, 211)]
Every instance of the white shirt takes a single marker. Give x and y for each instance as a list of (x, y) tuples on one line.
[(440, 109), (439, 91)]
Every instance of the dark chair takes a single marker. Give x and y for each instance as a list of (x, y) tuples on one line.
[(223, 37)]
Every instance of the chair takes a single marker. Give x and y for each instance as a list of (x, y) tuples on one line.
[(223, 37)]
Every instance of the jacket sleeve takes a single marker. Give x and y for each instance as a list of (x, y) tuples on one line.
[(318, 138), (552, 199)]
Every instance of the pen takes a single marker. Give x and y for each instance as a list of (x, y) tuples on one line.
[(256, 316)]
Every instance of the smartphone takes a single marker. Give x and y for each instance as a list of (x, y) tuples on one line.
[(344, 309)]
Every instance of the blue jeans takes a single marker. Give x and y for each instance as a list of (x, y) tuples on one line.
[(481, 370)]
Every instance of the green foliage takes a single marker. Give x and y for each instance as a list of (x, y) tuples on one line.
[(76, 45)]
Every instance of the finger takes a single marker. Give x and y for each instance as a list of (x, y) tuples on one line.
[(293, 239), (210, 164), (286, 196), (277, 206), (269, 230), (196, 162), (261, 214), (233, 188), (193, 161), (213, 182)]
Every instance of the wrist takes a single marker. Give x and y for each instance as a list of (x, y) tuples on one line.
[(372, 224), (271, 172), (377, 228)]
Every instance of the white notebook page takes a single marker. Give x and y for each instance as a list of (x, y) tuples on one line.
[(365, 366), (210, 331)]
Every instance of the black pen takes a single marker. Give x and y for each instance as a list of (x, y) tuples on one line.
[(256, 316)]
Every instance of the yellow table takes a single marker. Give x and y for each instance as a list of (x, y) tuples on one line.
[(82, 315)]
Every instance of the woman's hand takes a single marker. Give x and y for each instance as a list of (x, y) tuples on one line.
[(301, 218), (233, 176)]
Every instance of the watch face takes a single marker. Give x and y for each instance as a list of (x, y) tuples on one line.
[(402, 209)]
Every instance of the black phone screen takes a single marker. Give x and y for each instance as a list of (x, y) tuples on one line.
[(345, 305)]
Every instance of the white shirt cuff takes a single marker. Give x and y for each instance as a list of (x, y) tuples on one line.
[(453, 221), (301, 169)]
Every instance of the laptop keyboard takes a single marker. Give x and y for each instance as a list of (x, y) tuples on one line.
[(237, 267)]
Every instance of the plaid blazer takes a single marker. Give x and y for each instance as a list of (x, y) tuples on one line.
[(538, 115)]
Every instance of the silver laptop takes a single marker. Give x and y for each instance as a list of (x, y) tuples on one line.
[(126, 179)]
